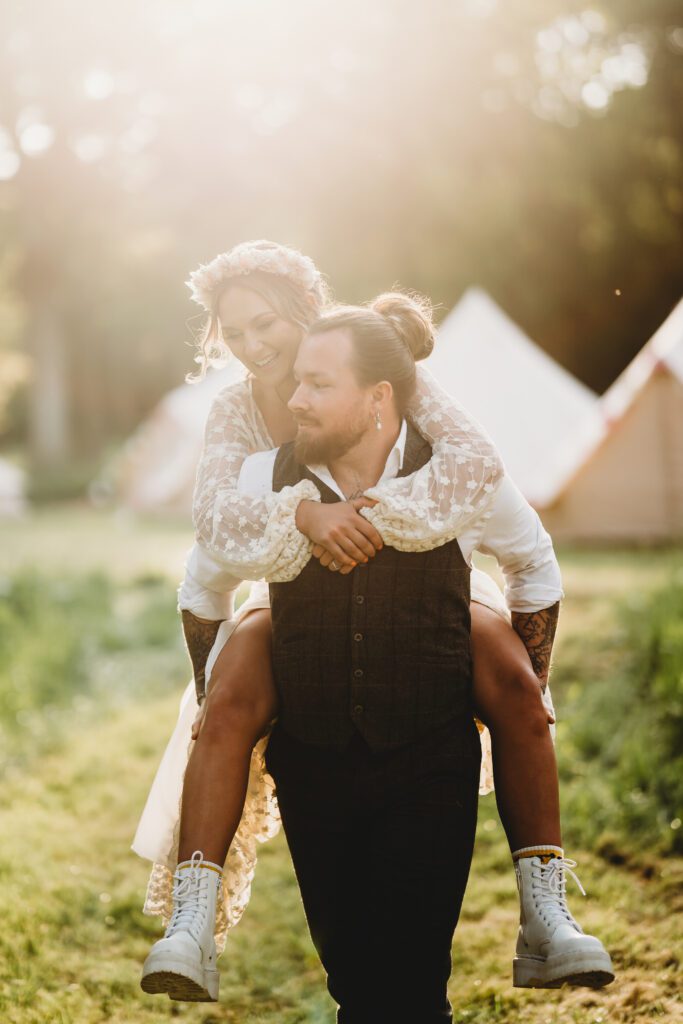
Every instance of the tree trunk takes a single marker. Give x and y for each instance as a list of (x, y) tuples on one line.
[(48, 411)]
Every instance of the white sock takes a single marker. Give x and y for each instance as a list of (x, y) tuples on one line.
[(197, 861), (545, 852)]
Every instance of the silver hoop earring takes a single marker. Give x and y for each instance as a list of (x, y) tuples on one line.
[(378, 421)]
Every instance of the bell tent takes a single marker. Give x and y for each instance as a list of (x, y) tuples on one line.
[(156, 469), (534, 410), (626, 483)]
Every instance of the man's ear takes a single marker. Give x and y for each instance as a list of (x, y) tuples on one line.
[(382, 394)]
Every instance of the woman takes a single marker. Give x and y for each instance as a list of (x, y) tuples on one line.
[(261, 297)]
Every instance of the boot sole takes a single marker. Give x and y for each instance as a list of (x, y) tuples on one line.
[(589, 970), (181, 981)]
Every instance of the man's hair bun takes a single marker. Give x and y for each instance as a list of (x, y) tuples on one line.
[(410, 315)]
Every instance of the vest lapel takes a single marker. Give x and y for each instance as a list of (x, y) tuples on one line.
[(417, 452)]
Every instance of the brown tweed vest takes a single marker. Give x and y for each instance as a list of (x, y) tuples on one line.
[(384, 651)]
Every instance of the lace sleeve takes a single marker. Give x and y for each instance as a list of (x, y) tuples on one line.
[(435, 504), (251, 537)]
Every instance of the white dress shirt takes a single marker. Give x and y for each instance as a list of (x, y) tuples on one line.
[(510, 530)]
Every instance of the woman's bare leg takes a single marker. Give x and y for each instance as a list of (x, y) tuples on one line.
[(239, 707), (507, 696)]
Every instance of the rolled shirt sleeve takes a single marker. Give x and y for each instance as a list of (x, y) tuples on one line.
[(515, 536), (207, 590)]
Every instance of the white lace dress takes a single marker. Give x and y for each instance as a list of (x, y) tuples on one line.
[(257, 539)]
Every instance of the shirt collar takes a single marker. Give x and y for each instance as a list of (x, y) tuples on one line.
[(392, 467), (400, 446)]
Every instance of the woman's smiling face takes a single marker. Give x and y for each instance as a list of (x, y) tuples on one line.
[(256, 335)]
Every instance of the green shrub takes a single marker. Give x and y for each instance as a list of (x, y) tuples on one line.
[(46, 628), (64, 640), (621, 750), (63, 483)]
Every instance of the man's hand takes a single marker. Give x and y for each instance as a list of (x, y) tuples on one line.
[(198, 719), (537, 631), (549, 714), (200, 635), (339, 533)]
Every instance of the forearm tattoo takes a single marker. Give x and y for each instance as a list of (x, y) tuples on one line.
[(199, 638), (537, 630)]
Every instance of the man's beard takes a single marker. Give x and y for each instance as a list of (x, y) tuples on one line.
[(325, 448)]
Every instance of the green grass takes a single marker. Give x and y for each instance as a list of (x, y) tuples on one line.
[(100, 616), (75, 539), (621, 738), (71, 644), (73, 937)]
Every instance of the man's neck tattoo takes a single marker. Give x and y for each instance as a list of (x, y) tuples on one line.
[(357, 491)]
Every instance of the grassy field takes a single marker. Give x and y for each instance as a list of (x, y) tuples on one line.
[(73, 937)]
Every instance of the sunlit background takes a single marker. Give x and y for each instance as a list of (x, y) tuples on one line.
[(532, 149), (521, 162)]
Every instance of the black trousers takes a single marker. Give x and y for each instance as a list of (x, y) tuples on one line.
[(381, 845)]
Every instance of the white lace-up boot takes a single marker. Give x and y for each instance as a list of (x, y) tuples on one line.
[(552, 949), (183, 963)]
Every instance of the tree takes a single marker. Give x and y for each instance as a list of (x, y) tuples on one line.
[(532, 147)]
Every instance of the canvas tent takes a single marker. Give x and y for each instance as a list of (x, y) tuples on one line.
[(626, 482), (156, 470), (535, 411)]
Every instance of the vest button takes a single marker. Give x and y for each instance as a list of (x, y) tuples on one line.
[(360, 599), (358, 710), (358, 637), (358, 673)]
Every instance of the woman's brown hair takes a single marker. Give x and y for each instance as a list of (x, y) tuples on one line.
[(285, 297)]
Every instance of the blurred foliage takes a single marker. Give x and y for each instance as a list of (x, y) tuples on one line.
[(62, 483), (533, 147), (65, 642), (76, 645), (621, 747)]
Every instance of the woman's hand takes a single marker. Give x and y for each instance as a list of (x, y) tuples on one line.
[(339, 533), (326, 559), (198, 719)]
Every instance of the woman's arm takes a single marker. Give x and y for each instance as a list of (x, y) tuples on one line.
[(259, 536), (251, 536), (435, 504)]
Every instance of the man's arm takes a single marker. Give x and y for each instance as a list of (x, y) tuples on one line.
[(537, 630), (515, 536), (200, 636), (205, 599), (206, 595)]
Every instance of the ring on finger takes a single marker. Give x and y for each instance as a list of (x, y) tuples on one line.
[(334, 566)]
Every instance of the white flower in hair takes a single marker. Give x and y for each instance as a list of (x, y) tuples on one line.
[(269, 257)]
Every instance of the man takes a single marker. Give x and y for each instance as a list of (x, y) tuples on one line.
[(375, 754)]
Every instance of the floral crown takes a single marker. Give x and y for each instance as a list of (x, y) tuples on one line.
[(247, 257)]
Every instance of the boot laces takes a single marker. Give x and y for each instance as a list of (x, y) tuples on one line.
[(190, 899), (552, 889)]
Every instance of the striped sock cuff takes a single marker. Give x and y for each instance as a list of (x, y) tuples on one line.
[(200, 864), (545, 852)]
